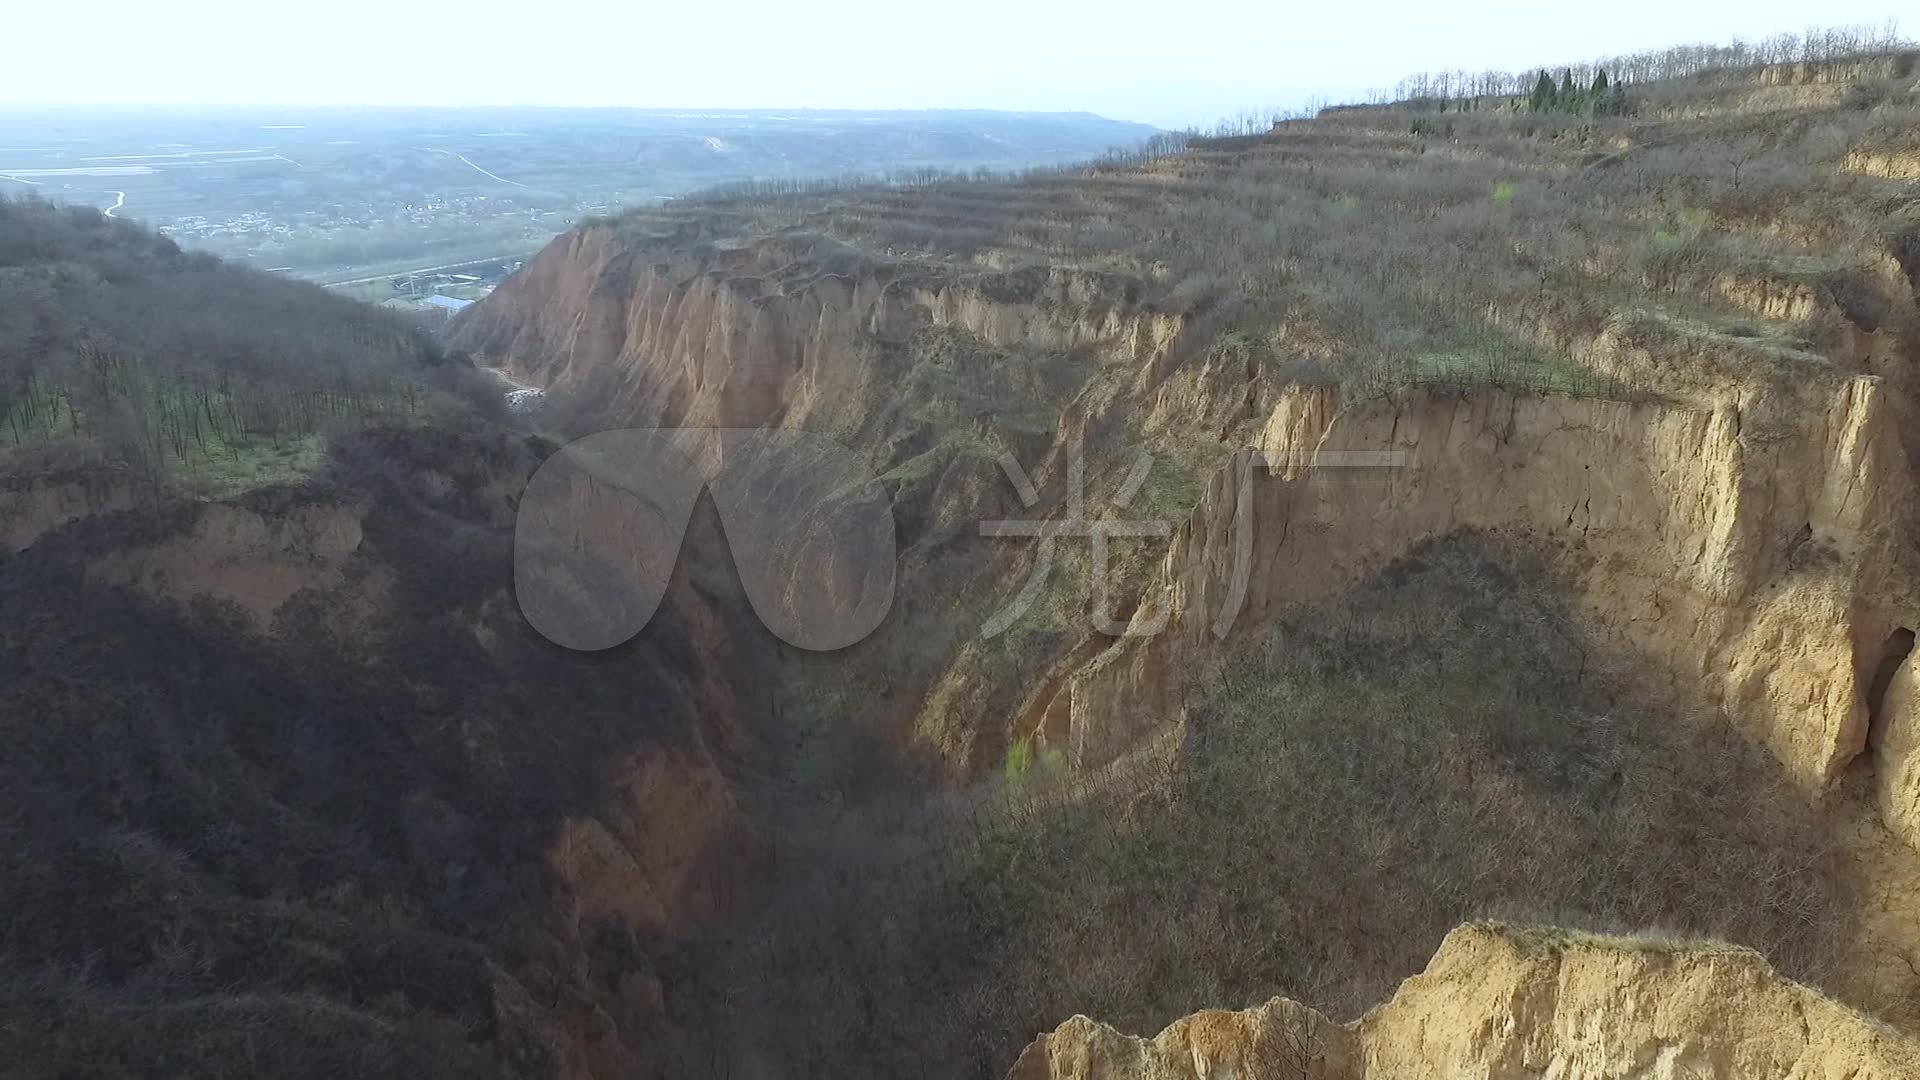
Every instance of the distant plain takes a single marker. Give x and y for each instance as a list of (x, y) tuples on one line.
[(336, 194)]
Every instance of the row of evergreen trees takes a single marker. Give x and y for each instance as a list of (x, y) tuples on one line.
[(1599, 98)]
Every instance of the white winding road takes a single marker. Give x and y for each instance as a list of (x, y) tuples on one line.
[(471, 165), (119, 197)]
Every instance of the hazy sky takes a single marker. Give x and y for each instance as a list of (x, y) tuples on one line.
[(1169, 63)]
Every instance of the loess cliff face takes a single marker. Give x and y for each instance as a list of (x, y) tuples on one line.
[(1750, 555), (667, 331), (1498, 1002), (1746, 542)]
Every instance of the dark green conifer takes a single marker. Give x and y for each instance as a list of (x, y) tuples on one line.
[(1543, 95)]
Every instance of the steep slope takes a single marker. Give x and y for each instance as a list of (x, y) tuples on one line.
[(292, 789), (293, 764)]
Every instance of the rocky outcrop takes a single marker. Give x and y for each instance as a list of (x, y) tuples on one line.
[(1497, 1002), (1282, 1038), (1894, 739)]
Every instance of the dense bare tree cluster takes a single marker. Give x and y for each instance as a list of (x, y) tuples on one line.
[(1818, 45)]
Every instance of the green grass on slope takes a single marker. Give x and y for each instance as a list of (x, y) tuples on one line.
[(247, 462)]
